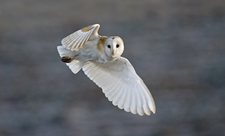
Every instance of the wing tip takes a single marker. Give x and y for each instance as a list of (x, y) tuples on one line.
[(153, 110), (152, 107), (68, 40), (95, 25)]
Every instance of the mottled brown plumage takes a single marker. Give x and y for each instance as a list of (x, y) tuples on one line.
[(100, 43)]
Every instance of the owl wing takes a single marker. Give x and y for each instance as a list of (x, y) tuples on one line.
[(77, 39), (121, 85)]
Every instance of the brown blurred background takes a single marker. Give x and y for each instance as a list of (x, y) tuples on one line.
[(176, 46)]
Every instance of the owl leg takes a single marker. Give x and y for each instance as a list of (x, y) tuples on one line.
[(67, 59), (66, 55)]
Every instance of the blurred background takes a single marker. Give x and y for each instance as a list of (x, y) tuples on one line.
[(176, 46)]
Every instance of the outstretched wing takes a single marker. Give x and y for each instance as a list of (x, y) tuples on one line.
[(77, 39), (121, 85)]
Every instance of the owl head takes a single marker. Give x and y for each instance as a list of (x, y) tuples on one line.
[(113, 47)]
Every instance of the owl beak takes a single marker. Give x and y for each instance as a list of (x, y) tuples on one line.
[(113, 52)]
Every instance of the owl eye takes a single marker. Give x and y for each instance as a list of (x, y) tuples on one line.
[(117, 46), (108, 46)]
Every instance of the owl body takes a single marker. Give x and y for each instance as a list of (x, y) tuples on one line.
[(89, 53), (100, 59)]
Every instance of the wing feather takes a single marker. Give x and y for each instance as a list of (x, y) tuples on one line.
[(88, 70), (116, 91), (123, 98), (109, 89), (118, 95), (75, 66), (133, 108), (105, 84), (72, 40), (103, 77), (144, 103), (92, 73), (145, 107), (84, 40), (127, 102), (77, 39), (150, 102), (81, 40), (121, 85), (139, 103)]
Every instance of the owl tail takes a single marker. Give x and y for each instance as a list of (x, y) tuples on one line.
[(67, 56)]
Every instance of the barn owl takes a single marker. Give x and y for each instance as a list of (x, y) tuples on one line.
[(100, 59)]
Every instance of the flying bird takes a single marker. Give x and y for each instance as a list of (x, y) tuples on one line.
[(100, 59)]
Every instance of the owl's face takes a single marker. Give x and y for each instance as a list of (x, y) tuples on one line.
[(114, 47)]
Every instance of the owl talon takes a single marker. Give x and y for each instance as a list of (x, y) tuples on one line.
[(66, 59)]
